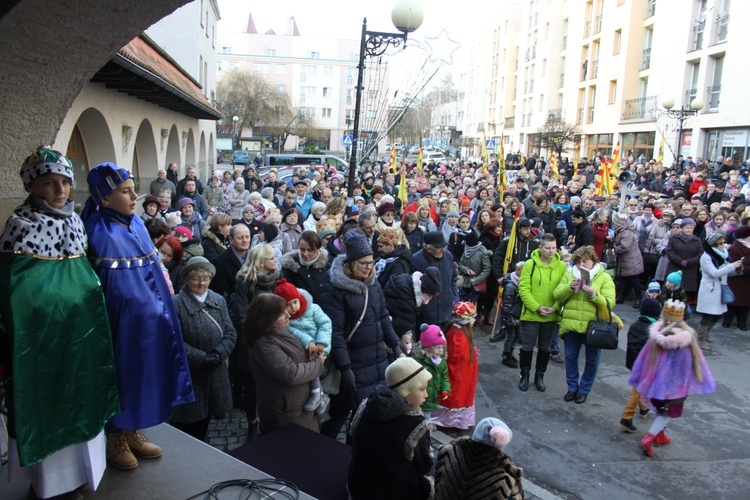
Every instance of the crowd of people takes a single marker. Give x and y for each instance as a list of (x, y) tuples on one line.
[(327, 305)]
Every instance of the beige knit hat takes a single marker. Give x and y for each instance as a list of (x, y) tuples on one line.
[(406, 375)]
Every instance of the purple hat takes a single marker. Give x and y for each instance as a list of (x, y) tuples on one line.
[(687, 221), (184, 202)]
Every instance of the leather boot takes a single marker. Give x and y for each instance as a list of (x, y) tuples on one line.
[(637, 303), (118, 452), (509, 360), (525, 362), (646, 443), (702, 334), (140, 445), (661, 439), (542, 360)]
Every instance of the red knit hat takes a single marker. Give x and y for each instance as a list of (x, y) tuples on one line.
[(289, 292)]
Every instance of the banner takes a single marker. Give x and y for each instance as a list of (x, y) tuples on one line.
[(402, 186), (502, 179), (553, 165), (576, 153), (392, 164)]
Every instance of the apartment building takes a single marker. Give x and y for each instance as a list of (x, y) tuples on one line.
[(320, 75), (609, 65)]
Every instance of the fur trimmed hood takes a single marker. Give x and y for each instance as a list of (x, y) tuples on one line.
[(339, 279), (290, 260), (677, 337), (415, 281)]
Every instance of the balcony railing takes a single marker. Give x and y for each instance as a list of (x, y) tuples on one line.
[(510, 122), (598, 25), (591, 114), (554, 115), (579, 117), (531, 85), (650, 8), (562, 79), (639, 108), (565, 42), (722, 27), (714, 92), (587, 29), (690, 95), (646, 59), (595, 69), (698, 36)]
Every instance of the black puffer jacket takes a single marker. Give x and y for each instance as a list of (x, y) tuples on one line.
[(402, 293), (401, 264), (637, 338), (343, 300), (312, 278)]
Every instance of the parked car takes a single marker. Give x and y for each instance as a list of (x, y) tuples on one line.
[(240, 157), (436, 157)]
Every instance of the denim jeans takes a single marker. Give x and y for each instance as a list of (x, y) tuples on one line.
[(573, 343), (556, 340), (537, 333)]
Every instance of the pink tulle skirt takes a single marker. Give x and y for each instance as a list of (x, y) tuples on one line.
[(459, 418)]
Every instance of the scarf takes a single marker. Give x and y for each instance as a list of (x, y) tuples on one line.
[(307, 263), (381, 263), (515, 278), (266, 280), (718, 257), (469, 251)]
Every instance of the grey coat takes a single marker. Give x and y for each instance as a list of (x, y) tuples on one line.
[(629, 258), (202, 334), (479, 262)]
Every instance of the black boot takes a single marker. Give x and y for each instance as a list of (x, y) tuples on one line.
[(620, 297), (637, 303), (542, 360), (525, 362), (509, 360)]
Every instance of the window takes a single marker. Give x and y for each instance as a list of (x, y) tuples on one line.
[(226, 50), (327, 70), (371, 115), (714, 91), (310, 70), (350, 96), (270, 52), (213, 36), (200, 70), (612, 92), (350, 72), (218, 66), (617, 42), (280, 69), (305, 93), (262, 68), (281, 89), (326, 112), (313, 54), (541, 102), (307, 111), (327, 91), (544, 67)]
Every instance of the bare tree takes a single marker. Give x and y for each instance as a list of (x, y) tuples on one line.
[(558, 135), (259, 104)]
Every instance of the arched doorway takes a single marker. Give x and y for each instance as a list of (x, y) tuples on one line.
[(190, 158), (173, 148), (202, 158), (145, 158), (91, 142), (76, 153)]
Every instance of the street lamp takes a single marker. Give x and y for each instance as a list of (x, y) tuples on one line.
[(348, 129), (235, 119), (407, 17), (680, 115)]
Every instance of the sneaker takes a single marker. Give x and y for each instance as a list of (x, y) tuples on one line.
[(643, 413), (313, 401), (557, 358), (325, 401), (626, 425)]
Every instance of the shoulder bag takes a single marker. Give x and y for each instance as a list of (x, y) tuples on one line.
[(727, 295), (602, 334), (331, 381)]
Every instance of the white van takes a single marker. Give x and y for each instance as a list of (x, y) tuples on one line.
[(284, 160)]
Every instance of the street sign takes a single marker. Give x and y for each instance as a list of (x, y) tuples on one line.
[(490, 144), (347, 140)]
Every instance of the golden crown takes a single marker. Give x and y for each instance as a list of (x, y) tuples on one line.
[(673, 310)]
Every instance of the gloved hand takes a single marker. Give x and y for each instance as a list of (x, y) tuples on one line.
[(348, 383), (211, 361), (443, 396)]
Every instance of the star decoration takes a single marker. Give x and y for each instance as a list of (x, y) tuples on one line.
[(442, 47)]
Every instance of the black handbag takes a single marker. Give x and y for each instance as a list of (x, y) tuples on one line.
[(602, 334)]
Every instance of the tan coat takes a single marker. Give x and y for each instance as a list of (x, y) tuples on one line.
[(282, 379)]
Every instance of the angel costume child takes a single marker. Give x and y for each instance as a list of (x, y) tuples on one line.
[(669, 368), (55, 337), (150, 358)]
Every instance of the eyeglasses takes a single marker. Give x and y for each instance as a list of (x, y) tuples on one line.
[(201, 279), (366, 265)]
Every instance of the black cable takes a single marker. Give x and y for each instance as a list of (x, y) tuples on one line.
[(266, 487)]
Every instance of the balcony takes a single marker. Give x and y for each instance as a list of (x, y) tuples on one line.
[(650, 8), (579, 117), (510, 122), (598, 24), (714, 91), (640, 108), (562, 80), (595, 69), (690, 95), (698, 36), (591, 114), (646, 59), (587, 29), (554, 115), (722, 28)]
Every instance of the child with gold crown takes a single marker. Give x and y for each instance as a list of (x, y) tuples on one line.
[(669, 368)]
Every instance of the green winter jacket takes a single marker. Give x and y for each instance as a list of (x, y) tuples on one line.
[(479, 262), (437, 384), (578, 308), (536, 286)]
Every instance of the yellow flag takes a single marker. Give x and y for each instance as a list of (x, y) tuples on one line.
[(501, 176), (484, 150), (614, 161), (576, 153), (393, 157), (660, 154), (402, 187), (553, 165), (511, 242), (419, 157)]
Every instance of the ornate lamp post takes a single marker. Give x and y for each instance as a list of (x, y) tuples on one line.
[(236, 119), (407, 17), (680, 115)]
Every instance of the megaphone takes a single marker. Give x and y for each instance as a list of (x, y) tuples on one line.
[(626, 176)]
